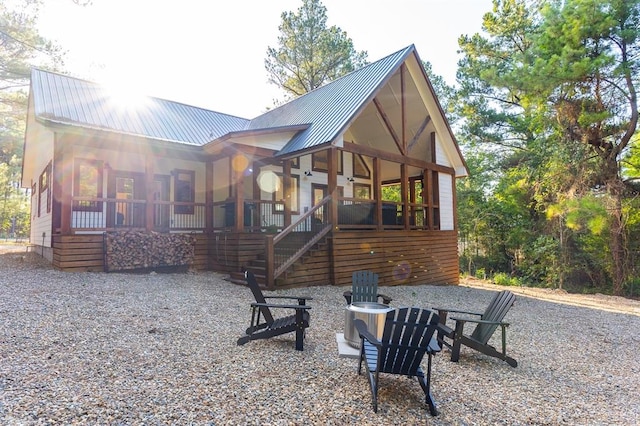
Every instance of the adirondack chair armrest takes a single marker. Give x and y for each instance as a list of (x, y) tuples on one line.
[(480, 321), (290, 297), (364, 333), (275, 305), (455, 311), (348, 294)]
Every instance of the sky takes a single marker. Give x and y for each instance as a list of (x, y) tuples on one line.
[(210, 53)]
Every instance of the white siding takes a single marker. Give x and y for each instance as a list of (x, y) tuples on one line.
[(40, 145), (446, 201)]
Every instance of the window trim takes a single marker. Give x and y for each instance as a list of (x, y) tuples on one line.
[(294, 209), (92, 206), (317, 168), (359, 158), (184, 209)]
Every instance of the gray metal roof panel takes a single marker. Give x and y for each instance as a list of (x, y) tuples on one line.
[(329, 108), (78, 102)]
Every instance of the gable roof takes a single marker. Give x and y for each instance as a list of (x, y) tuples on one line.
[(322, 115), (328, 109), (66, 100)]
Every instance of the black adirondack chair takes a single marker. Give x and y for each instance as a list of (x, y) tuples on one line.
[(264, 325), (408, 335), (364, 288), (486, 325)]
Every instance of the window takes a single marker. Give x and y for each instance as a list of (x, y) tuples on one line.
[(360, 168), (320, 163), (362, 190), (43, 182), (185, 191), (87, 183), (295, 163), (278, 195)]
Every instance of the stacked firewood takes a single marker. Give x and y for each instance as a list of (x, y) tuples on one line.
[(143, 250)]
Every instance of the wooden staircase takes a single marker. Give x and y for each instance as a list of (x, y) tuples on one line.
[(313, 268)]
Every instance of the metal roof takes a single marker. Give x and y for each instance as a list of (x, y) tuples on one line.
[(328, 109), (67, 100)]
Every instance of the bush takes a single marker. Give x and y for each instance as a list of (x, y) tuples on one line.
[(506, 280)]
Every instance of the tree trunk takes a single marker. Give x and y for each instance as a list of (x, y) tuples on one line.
[(617, 244)]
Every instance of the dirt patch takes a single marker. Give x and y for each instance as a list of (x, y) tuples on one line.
[(596, 301)]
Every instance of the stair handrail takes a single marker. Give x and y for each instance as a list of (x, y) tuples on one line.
[(273, 271)]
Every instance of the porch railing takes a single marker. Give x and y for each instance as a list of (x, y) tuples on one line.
[(283, 249), (100, 214)]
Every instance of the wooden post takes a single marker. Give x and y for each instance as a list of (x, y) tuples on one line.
[(208, 198), (427, 184), (149, 190), (63, 180), (332, 184), (269, 260), (403, 189), (286, 190), (238, 183), (377, 193)]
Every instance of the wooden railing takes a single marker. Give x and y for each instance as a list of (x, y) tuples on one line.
[(283, 249), (100, 214)]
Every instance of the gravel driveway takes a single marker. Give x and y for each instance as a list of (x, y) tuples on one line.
[(95, 348)]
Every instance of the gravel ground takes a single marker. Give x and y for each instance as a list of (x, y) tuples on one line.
[(94, 348)]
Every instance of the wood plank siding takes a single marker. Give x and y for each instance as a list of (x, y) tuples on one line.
[(399, 257)]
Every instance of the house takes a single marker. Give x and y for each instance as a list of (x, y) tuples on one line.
[(357, 174)]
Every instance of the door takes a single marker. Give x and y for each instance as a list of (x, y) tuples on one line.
[(318, 193), (128, 190)]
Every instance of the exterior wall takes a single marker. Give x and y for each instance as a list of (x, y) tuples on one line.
[(40, 145), (446, 202), (399, 257)]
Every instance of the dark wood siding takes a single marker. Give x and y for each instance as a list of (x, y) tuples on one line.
[(399, 257)]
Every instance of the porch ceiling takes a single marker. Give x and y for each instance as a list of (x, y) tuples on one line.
[(370, 129)]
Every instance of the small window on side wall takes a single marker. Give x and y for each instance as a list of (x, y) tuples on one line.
[(184, 190)]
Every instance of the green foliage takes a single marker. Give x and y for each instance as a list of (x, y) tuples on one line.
[(21, 47), (547, 97), (310, 54), (505, 280)]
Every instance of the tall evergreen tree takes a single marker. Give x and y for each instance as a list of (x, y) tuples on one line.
[(310, 54), (21, 47)]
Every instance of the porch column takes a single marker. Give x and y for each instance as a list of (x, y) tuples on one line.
[(332, 184), (208, 198), (238, 165), (286, 190), (149, 185), (427, 189), (62, 184), (403, 188), (256, 194), (377, 193)]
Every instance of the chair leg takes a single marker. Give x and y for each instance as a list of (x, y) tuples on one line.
[(425, 383), (300, 338), (457, 341)]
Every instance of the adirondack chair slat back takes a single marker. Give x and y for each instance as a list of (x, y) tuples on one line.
[(406, 337), (364, 286), (257, 294), (496, 311)]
